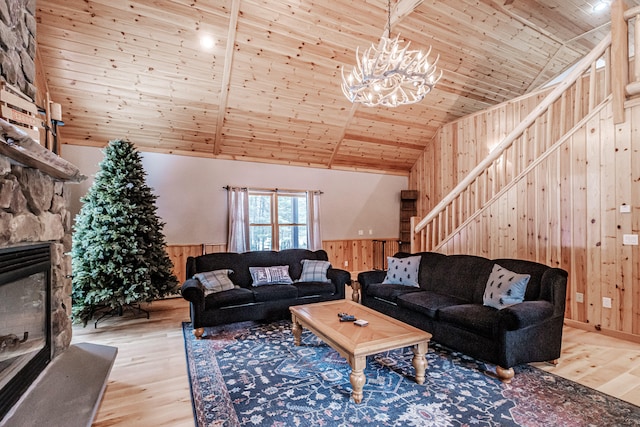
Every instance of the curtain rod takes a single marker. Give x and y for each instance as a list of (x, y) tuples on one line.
[(275, 190)]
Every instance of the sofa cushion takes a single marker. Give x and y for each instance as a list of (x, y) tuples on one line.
[(274, 292), (314, 271), (522, 315), (236, 296), (389, 292), (215, 281), (403, 271), (462, 276), (427, 302), (504, 288), (476, 318), (306, 289), (273, 275)]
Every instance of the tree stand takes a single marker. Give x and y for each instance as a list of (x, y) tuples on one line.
[(119, 311)]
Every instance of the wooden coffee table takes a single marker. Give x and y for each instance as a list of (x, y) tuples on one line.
[(354, 342)]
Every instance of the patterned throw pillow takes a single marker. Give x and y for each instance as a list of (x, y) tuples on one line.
[(314, 271), (276, 275), (504, 288), (215, 281), (403, 271)]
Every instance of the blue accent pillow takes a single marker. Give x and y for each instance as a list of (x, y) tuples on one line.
[(276, 275), (314, 271), (215, 281), (504, 288), (403, 271)]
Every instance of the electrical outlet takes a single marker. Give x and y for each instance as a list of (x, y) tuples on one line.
[(346, 263), (360, 232), (370, 231), (579, 297), (630, 239), (606, 302)]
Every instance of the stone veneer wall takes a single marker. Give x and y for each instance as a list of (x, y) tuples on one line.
[(18, 44), (33, 205), (34, 208)]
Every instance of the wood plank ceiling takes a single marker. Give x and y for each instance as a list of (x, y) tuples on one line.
[(268, 90)]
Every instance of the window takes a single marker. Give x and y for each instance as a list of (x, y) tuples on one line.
[(277, 220)]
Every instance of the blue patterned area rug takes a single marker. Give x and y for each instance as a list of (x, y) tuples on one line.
[(250, 374)]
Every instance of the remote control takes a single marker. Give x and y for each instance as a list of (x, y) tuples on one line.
[(347, 318)]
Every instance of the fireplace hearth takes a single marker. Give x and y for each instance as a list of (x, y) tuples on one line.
[(25, 319)]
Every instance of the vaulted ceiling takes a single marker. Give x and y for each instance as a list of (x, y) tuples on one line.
[(269, 88)]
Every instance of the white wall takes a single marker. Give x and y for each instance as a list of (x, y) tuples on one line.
[(193, 204)]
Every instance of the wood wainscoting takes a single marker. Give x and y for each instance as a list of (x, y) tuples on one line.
[(353, 255), (179, 254), (356, 255)]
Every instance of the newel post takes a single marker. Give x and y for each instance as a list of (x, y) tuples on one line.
[(619, 59)]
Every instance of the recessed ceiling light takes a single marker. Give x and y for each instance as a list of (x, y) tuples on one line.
[(600, 6), (207, 42)]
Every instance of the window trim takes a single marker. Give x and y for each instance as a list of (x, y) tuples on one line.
[(275, 223)]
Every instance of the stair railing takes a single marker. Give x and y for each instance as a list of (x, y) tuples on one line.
[(474, 191)]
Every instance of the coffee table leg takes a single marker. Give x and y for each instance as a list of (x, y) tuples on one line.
[(357, 378), (296, 329), (419, 361)]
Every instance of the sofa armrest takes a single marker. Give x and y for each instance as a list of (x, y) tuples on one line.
[(367, 278), (340, 278), (553, 288), (193, 291), (525, 314)]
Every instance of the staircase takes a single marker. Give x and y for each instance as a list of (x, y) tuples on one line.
[(560, 187), (599, 78), (563, 110)]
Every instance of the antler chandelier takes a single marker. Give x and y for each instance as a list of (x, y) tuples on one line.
[(390, 75)]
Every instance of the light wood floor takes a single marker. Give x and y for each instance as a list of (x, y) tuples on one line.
[(148, 384)]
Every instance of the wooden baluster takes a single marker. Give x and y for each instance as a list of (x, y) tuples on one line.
[(549, 127), (434, 231), (607, 72), (440, 226), (619, 59), (455, 206), (577, 102), (424, 238), (592, 87), (636, 43), (447, 222)]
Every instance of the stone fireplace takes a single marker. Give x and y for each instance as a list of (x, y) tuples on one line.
[(33, 214), (33, 208)]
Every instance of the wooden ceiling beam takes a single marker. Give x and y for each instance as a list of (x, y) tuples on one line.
[(226, 74)]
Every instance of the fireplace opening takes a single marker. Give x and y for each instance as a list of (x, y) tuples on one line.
[(25, 319)]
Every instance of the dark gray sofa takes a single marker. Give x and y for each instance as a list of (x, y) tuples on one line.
[(449, 304), (247, 302)]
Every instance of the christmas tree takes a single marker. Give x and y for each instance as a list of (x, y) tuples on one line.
[(118, 251)]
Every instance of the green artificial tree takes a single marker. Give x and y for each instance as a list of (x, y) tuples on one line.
[(118, 253)]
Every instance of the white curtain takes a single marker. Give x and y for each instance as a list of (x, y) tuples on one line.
[(313, 229), (238, 203)]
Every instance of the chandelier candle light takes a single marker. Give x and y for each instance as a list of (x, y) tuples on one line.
[(390, 75)]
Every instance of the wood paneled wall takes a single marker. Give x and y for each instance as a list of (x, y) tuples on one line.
[(565, 212), (359, 255), (179, 254)]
